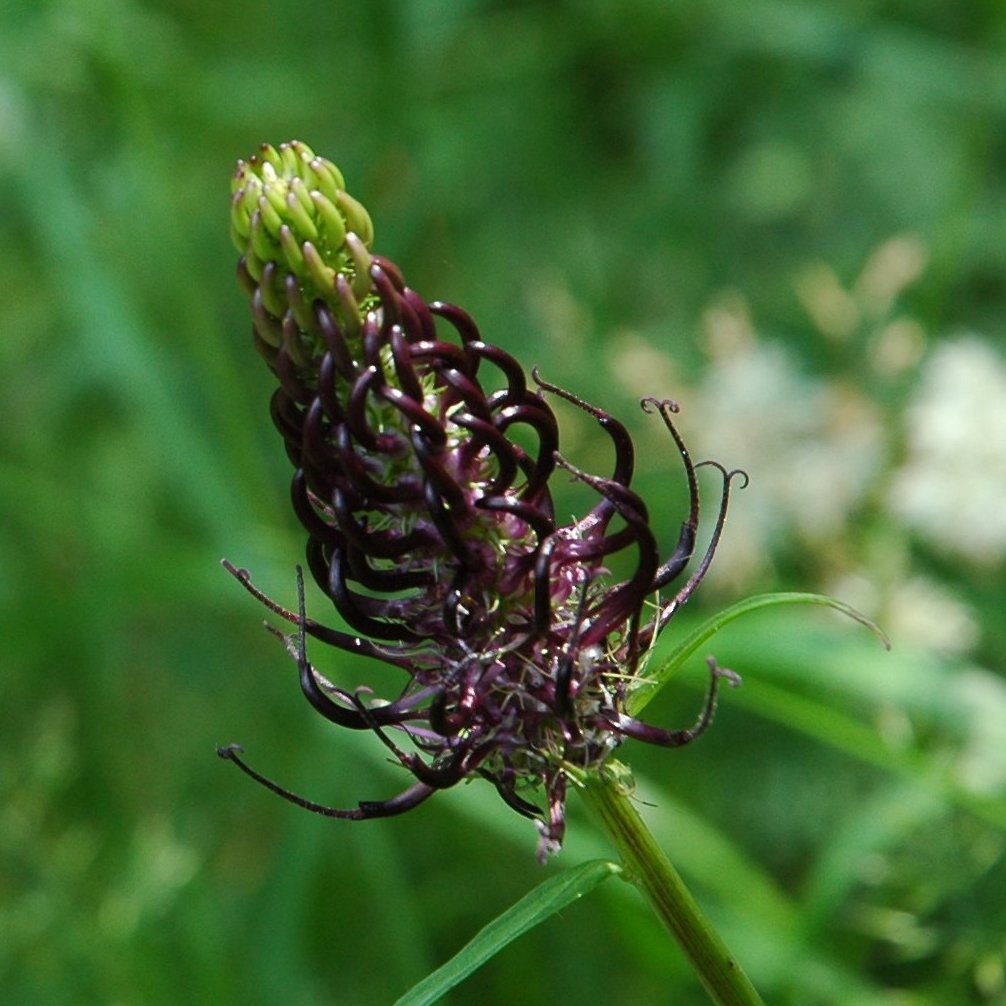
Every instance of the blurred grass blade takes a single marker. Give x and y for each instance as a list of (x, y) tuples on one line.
[(831, 726), (535, 907), (642, 695)]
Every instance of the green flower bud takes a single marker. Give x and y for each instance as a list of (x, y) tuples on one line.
[(291, 218)]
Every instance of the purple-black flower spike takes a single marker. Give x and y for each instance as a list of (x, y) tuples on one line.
[(430, 523)]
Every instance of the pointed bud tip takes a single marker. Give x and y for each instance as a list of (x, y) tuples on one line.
[(289, 186)]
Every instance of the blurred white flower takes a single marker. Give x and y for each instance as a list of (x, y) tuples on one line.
[(981, 766), (890, 270), (952, 487), (837, 312), (921, 611)]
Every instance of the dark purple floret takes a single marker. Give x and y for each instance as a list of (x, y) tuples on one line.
[(422, 462)]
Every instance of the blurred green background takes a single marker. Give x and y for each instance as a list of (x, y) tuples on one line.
[(789, 216)]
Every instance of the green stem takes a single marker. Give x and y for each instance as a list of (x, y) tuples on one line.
[(651, 871)]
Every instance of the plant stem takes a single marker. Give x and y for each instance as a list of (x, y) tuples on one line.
[(646, 866)]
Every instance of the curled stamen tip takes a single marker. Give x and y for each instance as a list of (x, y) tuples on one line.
[(649, 403), (732, 678), (728, 474), (238, 572), (229, 751), (546, 385)]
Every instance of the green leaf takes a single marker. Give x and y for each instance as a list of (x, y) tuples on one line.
[(654, 682), (535, 907)]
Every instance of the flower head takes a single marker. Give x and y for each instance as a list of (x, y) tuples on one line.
[(422, 459)]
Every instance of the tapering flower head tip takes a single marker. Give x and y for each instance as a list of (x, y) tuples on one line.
[(292, 219), (422, 457)]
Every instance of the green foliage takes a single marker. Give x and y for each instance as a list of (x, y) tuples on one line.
[(548, 898), (783, 214)]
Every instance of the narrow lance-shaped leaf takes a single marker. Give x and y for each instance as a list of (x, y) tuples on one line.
[(534, 908)]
